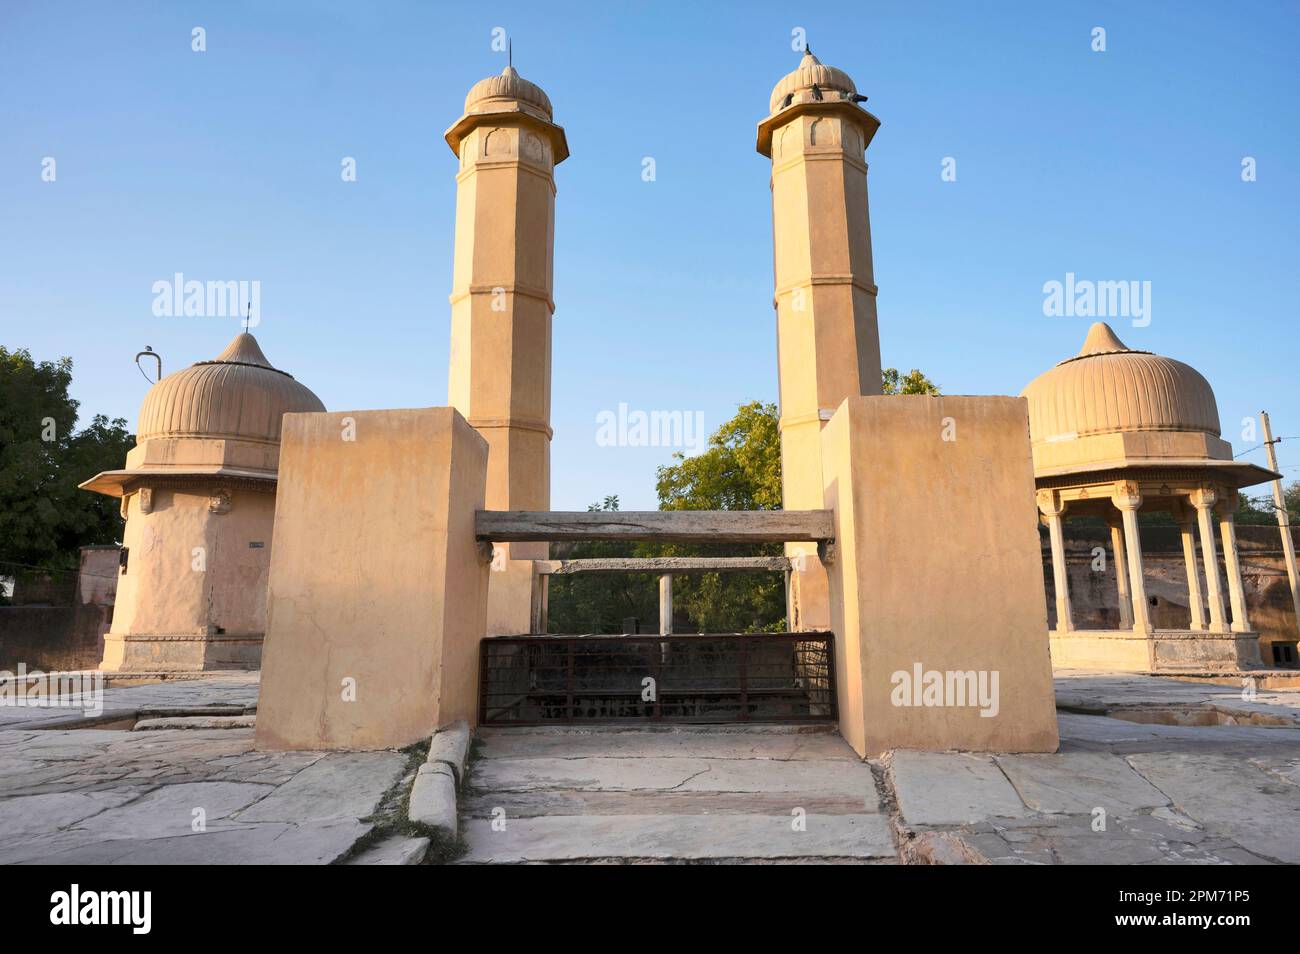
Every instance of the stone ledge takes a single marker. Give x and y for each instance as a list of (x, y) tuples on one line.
[(450, 746)]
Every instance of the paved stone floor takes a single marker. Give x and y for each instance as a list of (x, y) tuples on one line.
[(193, 795), (1118, 791), (171, 777), (686, 794)]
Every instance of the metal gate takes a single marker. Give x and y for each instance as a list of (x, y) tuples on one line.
[(712, 678)]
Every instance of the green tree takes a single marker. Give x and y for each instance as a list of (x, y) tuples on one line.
[(740, 470), (914, 382), (44, 517), (1258, 508), (599, 602)]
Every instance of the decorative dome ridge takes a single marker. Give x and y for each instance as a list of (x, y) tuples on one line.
[(508, 85), (832, 83), (238, 395), (1109, 388)]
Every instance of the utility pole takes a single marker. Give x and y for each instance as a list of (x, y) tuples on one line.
[(1283, 519)]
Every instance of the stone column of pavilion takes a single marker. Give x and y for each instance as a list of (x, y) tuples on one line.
[(198, 497), (501, 309), (828, 347)]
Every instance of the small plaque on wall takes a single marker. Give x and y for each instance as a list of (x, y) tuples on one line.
[(255, 544)]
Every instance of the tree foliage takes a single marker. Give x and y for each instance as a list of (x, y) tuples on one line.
[(739, 470), (44, 517), (914, 382), (598, 603)]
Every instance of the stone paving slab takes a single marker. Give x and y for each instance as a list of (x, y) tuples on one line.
[(1101, 690), (841, 777), (1257, 810), (678, 838), (661, 795), (195, 722), (1118, 735), (949, 788), (394, 850), (340, 785), (234, 689), (1078, 782), (677, 742), (95, 796), (561, 802), (272, 843)]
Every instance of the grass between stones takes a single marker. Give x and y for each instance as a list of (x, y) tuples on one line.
[(391, 818)]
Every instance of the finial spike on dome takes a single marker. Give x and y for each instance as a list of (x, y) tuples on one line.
[(244, 349), (1101, 340)]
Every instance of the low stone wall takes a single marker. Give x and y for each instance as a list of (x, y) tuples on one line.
[(52, 638), (58, 620)]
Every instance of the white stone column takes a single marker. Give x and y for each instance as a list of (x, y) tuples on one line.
[(1194, 598), (1128, 501), (1121, 574), (1203, 500), (1050, 505), (1236, 592)]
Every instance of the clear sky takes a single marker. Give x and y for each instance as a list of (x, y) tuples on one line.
[(225, 165)]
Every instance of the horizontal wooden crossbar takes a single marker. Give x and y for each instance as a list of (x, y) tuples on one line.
[(698, 526), (660, 565)]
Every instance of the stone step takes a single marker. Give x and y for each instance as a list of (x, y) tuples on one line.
[(678, 838)]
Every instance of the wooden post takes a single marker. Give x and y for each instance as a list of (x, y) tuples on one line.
[(666, 605), (1283, 518)]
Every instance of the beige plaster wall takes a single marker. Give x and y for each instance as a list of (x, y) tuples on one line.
[(376, 583), (937, 562), (194, 579)]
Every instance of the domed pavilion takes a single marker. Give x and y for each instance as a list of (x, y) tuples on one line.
[(198, 497), (1116, 432)]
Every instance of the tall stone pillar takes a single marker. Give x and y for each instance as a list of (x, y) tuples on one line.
[(828, 347), (1232, 562), (1052, 507), (1127, 499), (1204, 500), (501, 308), (1194, 599), (1121, 574)]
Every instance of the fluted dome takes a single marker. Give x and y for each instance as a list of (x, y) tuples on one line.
[(508, 86), (1108, 388), (831, 83), (237, 395)]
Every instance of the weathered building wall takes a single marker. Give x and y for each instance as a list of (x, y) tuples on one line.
[(68, 636)]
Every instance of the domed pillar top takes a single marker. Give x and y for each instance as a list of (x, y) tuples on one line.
[(814, 87), (508, 96)]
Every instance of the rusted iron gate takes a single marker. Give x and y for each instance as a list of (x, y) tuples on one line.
[(740, 677), (696, 678)]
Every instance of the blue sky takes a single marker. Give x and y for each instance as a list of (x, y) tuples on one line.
[(225, 164)]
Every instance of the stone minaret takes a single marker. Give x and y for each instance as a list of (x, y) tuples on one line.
[(501, 307), (828, 347)]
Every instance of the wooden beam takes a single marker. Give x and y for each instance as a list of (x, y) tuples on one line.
[(659, 565), (699, 526)]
